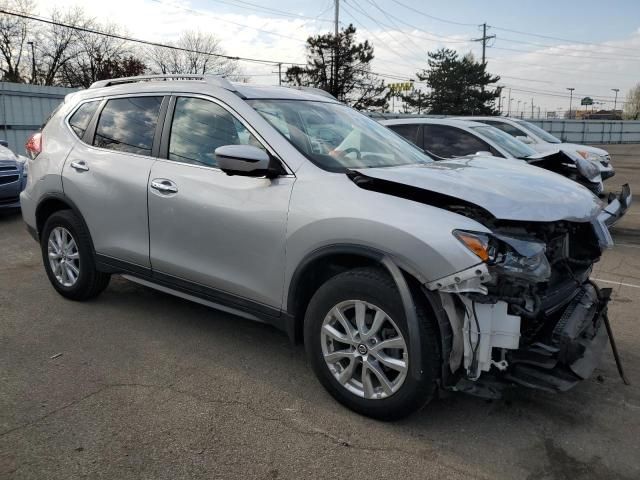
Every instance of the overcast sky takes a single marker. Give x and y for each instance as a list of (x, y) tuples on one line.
[(596, 45)]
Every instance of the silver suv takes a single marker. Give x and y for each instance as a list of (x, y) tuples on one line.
[(281, 205)]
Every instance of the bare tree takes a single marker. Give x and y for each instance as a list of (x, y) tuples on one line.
[(13, 37), (196, 53), (632, 105), (58, 45), (99, 57)]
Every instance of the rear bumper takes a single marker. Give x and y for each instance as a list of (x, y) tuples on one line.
[(617, 207), (571, 351)]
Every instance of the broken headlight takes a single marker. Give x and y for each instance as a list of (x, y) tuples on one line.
[(506, 255)]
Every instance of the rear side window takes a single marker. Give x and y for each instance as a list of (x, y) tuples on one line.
[(79, 121), (410, 132), (448, 142), (128, 124), (199, 127)]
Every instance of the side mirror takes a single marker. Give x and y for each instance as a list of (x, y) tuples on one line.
[(4, 143), (524, 139), (246, 160)]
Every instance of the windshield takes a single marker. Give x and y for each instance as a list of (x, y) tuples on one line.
[(514, 147), (336, 137), (547, 137)]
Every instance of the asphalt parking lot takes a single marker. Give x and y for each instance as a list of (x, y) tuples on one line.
[(139, 384)]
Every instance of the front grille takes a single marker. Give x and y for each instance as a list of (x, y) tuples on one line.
[(8, 169), (9, 179)]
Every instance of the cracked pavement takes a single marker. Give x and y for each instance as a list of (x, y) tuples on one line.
[(152, 386)]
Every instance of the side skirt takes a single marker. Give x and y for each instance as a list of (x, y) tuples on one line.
[(195, 292)]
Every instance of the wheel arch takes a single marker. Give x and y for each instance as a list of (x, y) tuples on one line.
[(55, 202), (326, 262)]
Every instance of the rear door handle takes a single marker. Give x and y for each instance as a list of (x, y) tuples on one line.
[(163, 185), (80, 166)]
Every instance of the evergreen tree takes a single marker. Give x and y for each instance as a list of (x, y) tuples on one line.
[(457, 86), (354, 83)]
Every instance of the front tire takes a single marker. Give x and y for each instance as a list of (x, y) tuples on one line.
[(68, 257), (357, 341)]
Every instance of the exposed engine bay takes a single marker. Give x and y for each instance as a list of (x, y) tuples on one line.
[(529, 313)]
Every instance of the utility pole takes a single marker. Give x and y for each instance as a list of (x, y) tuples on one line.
[(509, 105), (280, 74), (484, 39), (615, 102), (336, 22), (532, 108), (33, 62), (571, 89)]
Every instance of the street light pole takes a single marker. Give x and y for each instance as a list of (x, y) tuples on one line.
[(571, 89), (615, 102), (33, 62)]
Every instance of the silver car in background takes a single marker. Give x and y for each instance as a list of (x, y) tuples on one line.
[(13, 178), (400, 274), (451, 138)]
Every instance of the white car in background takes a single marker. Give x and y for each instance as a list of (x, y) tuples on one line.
[(444, 138), (542, 141)]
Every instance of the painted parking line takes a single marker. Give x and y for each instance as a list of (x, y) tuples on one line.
[(616, 283), (631, 245)]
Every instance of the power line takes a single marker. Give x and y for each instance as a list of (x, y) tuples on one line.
[(355, 5), (385, 46), (143, 42), (242, 3), (549, 37), (408, 7), (565, 48), (635, 59), (432, 36), (224, 20)]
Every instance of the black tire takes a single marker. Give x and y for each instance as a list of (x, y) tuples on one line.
[(374, 286), (90, 282)]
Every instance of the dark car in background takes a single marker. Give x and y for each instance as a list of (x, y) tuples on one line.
[(13, 177)]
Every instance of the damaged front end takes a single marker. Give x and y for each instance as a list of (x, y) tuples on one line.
[(528, 313)]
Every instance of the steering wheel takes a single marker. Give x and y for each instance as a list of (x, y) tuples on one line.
[(347, 151)]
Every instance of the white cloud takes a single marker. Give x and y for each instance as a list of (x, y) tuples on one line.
[(398, 52)]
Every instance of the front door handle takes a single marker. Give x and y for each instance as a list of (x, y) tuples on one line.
[(80, 166), (163, 185)]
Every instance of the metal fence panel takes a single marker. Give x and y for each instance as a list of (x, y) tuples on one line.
[(24, 108)]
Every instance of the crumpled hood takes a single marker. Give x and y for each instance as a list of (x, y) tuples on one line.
[(507, 190), (547, 147)]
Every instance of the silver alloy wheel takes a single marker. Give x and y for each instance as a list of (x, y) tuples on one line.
[(64, 258), (364, 349)]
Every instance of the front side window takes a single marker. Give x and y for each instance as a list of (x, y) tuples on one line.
[(336, 137), (128, 124), (449, 142), (79, 121), (536, 130), (514, 147), (199, 127), (506, 127)]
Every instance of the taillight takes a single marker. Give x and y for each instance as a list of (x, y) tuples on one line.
[(34, 145)]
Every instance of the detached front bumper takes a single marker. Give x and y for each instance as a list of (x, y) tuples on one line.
[(571, 351), (617, 206)]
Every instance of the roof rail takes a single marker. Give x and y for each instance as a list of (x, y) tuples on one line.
[(317, 91), (217, 80)]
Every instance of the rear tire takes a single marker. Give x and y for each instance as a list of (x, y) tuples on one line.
[(68, 258), (383, 384)]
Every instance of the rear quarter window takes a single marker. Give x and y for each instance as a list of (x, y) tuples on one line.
[(79, 121)]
